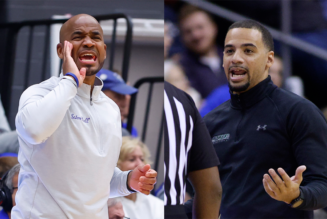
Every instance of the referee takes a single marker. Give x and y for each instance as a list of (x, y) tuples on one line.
[(188, 153)]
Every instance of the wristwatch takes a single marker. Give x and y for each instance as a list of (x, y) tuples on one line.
[(297, 201)]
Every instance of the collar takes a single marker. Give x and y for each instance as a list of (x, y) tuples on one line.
[(254, 95), (84, 90)]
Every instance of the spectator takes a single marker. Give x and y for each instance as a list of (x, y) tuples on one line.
[(276, 71), (115, 208), (6, 163), (8, 138), (291, 83), (10, 184), (132, 153), (216, 97), (175, 75), (202, 61), (117, 90)]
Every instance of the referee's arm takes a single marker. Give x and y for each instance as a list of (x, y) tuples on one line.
[(208, 192)]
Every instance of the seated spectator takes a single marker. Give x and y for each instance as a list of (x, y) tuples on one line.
[(118, 91), (291, 83), (11, 182), (8, 138), (276, 71), (217, 97), (115, 208), (137, 205), (174, 74), (6, 163), (202, 61)]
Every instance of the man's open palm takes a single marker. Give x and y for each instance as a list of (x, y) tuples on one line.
[(285, 189)]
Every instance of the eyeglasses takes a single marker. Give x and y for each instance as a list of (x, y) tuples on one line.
[(126, 217)]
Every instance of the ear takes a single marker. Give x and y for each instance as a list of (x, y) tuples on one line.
[(60, 50), (105, 49), (270, 59)]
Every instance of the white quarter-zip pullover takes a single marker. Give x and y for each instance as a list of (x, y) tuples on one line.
[(69, 147)]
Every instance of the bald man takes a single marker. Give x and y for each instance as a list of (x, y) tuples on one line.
[(70, 136)]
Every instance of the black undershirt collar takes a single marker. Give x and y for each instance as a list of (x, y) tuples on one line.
[(252, 96)]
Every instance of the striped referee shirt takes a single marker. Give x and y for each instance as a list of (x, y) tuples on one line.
[(188, 145)]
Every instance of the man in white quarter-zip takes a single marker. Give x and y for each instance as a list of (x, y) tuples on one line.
[(70, 136)]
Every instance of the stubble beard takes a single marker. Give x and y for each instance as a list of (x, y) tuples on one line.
[(90, 71)]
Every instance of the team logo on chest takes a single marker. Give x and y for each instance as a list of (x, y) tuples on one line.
[(220, 138), (85, 120)]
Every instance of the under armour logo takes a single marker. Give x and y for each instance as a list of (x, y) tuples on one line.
[(261, 127)]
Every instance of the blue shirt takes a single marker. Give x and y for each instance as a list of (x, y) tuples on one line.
[(3, 214), (134, 131), (216, 97)]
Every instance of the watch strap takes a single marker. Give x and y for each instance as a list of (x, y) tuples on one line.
[(299, 198)]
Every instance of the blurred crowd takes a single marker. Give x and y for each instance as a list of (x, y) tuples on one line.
[(193, 51)]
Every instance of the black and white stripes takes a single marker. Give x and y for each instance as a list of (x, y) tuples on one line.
[(178, 142)]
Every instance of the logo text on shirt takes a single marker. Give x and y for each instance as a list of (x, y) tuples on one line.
[(86, 120), (220, 138)]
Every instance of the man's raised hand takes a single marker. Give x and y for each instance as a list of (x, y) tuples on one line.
[(70, 66), (142, 179), (285, 189)]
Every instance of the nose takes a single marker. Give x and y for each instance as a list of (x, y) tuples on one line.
[(138, 162), (237, 57), (88, 42)]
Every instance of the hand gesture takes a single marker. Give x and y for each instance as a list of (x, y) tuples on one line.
[(286, 189), (70, 66), (142, 179)]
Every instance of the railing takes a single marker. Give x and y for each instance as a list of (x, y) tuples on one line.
[(284, 37), (151, 81), (9, 33)]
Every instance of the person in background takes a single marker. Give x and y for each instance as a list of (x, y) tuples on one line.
[(202, 61), (11, 183), (292, 83), (115, 208), (136, 206), (8, 138), (116, 89), (7, 162), (276, 71), (175, 75)]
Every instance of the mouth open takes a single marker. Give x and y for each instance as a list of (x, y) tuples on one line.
[(237, 74), (87, 58)]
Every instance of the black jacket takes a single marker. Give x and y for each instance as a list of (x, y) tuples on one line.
[(268, 127)]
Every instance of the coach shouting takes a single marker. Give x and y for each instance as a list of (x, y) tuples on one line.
[(70, 136), (272, 144)]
